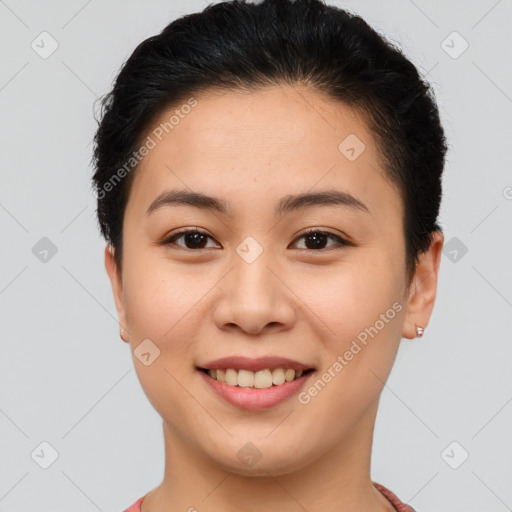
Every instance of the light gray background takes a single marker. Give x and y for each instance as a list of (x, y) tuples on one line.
[(67, 378)]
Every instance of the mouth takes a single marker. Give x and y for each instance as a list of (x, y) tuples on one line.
[(260, 389), (261, 379)]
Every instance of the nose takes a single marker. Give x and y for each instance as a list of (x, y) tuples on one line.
[(254, 298)]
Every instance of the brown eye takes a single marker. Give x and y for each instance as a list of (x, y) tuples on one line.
[(192, 239), (316, 240)]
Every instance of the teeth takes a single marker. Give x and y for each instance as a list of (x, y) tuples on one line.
[(231, 377), (245, 378), (260, 380), (278, 376)]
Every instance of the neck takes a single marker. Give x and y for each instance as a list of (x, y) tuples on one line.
[(335, 481)]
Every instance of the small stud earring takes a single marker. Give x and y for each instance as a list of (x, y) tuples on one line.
[(419, 332)]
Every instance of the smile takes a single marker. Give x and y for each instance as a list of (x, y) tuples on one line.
[(249, 396), (259, 380)]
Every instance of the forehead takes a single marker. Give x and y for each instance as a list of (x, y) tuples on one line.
[(270, 141)]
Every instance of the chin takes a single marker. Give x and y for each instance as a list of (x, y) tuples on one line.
[(261, 460)]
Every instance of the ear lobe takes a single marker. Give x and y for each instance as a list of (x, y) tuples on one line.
[(116, 283), (422, 293)]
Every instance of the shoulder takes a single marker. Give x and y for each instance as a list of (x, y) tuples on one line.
[(393, 498), (135, 507)]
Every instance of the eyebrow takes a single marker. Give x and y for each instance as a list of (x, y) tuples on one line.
[(286, 205)]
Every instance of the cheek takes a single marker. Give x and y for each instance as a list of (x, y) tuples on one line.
[(348, 298), (162, 306), (161, 298), (361, 318), (361, 325)]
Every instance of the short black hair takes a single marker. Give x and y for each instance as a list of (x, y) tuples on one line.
[(237, 45)]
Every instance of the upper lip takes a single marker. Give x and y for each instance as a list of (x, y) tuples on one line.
[(254, 364)]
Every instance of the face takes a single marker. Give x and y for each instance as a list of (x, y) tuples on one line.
[(319, 280)]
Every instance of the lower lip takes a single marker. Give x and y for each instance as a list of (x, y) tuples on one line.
[(256, 399)]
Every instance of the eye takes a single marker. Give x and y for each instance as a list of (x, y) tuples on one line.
[(193, 238), (316, 239)]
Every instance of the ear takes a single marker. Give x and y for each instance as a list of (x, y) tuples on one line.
[(117, 286), (422, 293)]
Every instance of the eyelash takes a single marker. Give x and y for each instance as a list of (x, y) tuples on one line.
[(341, 241)]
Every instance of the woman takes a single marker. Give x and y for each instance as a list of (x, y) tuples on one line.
[(269, 181)]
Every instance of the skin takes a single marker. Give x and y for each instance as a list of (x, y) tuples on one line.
[(195, 305)]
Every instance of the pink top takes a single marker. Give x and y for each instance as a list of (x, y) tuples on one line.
[(392, 498)]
